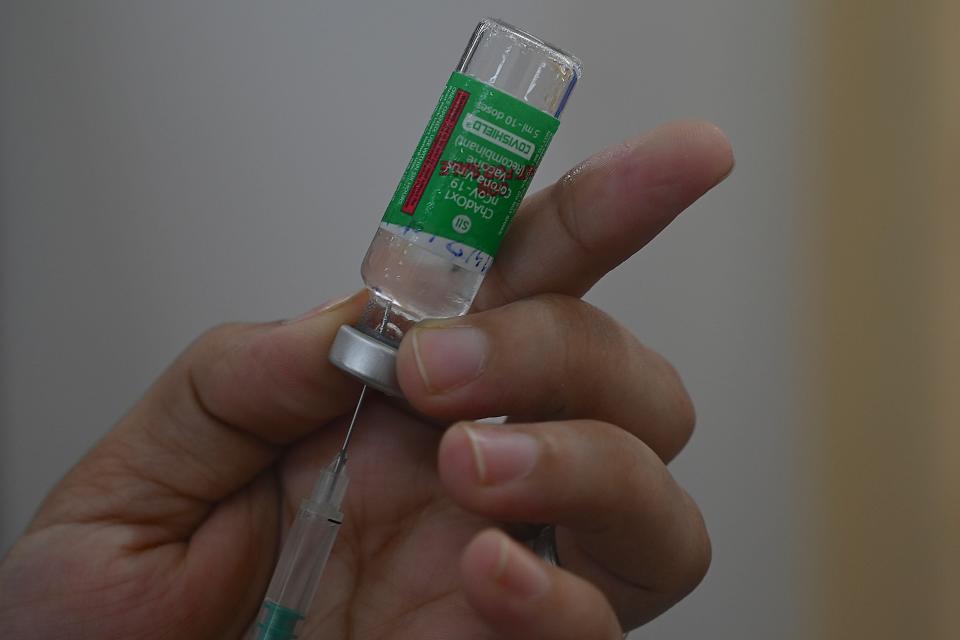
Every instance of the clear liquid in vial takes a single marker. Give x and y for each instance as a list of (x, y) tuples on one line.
[(415, 282)]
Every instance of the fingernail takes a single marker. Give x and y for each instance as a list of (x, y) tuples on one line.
[(519, 573), (326, 306), (449, 358), (500, 455)]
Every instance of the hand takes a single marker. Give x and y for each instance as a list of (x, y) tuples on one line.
[(170, 526)]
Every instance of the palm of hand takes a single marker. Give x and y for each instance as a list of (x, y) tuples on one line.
[(392, 574)]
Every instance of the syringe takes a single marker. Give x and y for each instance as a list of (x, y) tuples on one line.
[(305, 553)]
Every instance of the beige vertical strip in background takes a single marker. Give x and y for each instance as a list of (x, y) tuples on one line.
[(885, 280), (945, 187)]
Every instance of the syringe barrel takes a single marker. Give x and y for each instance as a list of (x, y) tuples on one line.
[(303, 558), (460, 191)]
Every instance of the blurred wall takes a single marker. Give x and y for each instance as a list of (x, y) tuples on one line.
[(167, 166), (885, 350)]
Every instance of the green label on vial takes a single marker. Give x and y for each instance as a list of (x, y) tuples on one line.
[(468, 175)]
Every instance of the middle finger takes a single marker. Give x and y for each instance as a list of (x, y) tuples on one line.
[(549, 357)]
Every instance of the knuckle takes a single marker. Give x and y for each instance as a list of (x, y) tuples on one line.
[(681, 409), (210, 351), (552, 449), (672, 404), (563, 194), (579, 337), (584, 331), (217, 338), (695, 562), (581, 449), (547, 350), (211, 369), (617, 463), (700, 561)]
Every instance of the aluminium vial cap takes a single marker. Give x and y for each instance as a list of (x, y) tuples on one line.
[(364, 357)]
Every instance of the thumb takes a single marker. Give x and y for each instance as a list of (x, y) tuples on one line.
[(217, 417)]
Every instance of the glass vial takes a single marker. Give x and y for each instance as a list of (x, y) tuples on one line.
[(457, 197)]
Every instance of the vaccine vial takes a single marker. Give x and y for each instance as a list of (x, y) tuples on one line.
[(442, 228)]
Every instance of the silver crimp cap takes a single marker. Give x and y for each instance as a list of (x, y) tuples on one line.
[(366, 358)]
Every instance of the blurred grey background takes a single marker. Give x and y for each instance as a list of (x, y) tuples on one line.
[(168, 166)]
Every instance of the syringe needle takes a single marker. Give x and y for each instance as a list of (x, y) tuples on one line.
[(353, 421), (363, 392)]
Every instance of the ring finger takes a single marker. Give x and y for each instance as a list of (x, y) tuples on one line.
[(624, 523)]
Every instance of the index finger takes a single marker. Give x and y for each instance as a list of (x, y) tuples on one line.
[(570, 234)]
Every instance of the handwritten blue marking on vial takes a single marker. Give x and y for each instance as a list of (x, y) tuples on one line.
[(455, 249)]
